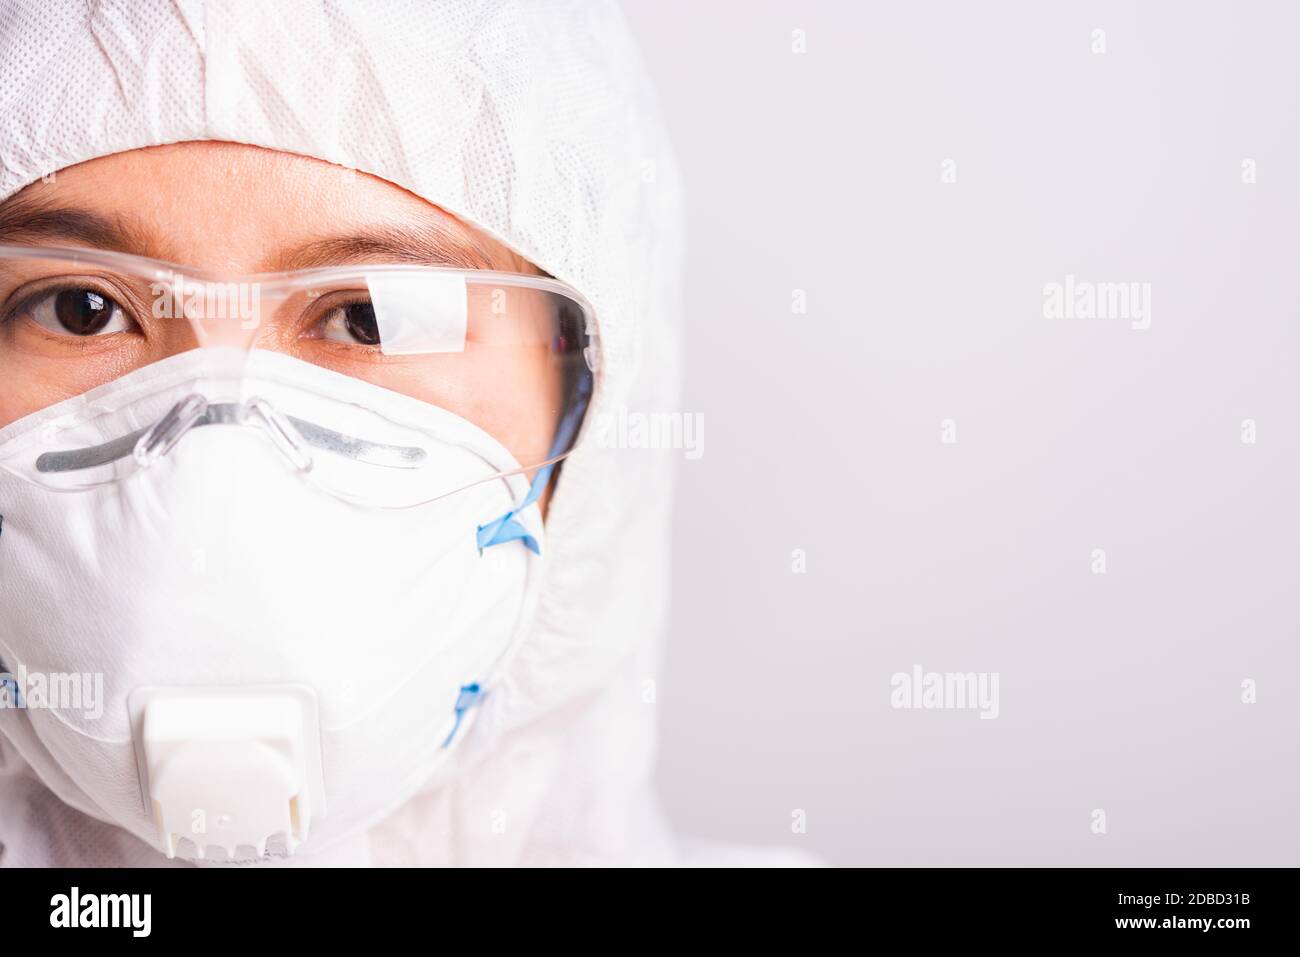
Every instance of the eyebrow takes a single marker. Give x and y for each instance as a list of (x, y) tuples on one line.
[(33, 220), (422, 243)]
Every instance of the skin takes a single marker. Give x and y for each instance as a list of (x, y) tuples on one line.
[(238, 210)]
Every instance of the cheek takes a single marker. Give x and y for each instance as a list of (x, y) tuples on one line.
[(21, 401), (40, 368), (512, 394), (526, 425), (33, 382)]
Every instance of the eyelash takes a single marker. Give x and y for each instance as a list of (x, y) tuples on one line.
[(11, 311), (14, 310)]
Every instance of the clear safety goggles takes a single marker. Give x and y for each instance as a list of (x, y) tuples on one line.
[(516, 356)]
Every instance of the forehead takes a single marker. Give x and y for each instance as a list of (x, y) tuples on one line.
[(224, 206)]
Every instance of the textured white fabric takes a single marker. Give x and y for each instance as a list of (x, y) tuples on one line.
[(535, 123)]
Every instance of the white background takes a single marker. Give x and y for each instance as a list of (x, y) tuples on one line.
[(1120, 691)]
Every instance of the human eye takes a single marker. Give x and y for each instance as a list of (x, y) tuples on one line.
[(354, 323), (74, 309)]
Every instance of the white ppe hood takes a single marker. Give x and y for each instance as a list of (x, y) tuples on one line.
[(535, 123)]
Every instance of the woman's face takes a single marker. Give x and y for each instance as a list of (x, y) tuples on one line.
[(238, 210)]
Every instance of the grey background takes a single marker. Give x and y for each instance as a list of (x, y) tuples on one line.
[(1120, 691)]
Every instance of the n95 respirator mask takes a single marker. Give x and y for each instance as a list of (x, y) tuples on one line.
[(225, 656)]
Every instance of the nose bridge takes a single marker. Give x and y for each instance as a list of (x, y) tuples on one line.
[(255, 314), (223, 313)]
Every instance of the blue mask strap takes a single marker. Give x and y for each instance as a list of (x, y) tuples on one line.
[(469, 696), (507, 528)]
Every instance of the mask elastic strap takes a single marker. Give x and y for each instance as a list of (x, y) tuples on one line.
[(507, 528), (469, 696)]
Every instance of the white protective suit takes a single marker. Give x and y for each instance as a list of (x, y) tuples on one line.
[(535, 123)]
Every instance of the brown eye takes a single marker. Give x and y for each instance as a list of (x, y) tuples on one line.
[(361, 323), (78, 312), (355, 322)]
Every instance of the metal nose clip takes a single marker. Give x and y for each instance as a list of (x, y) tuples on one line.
[(163, 435)]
